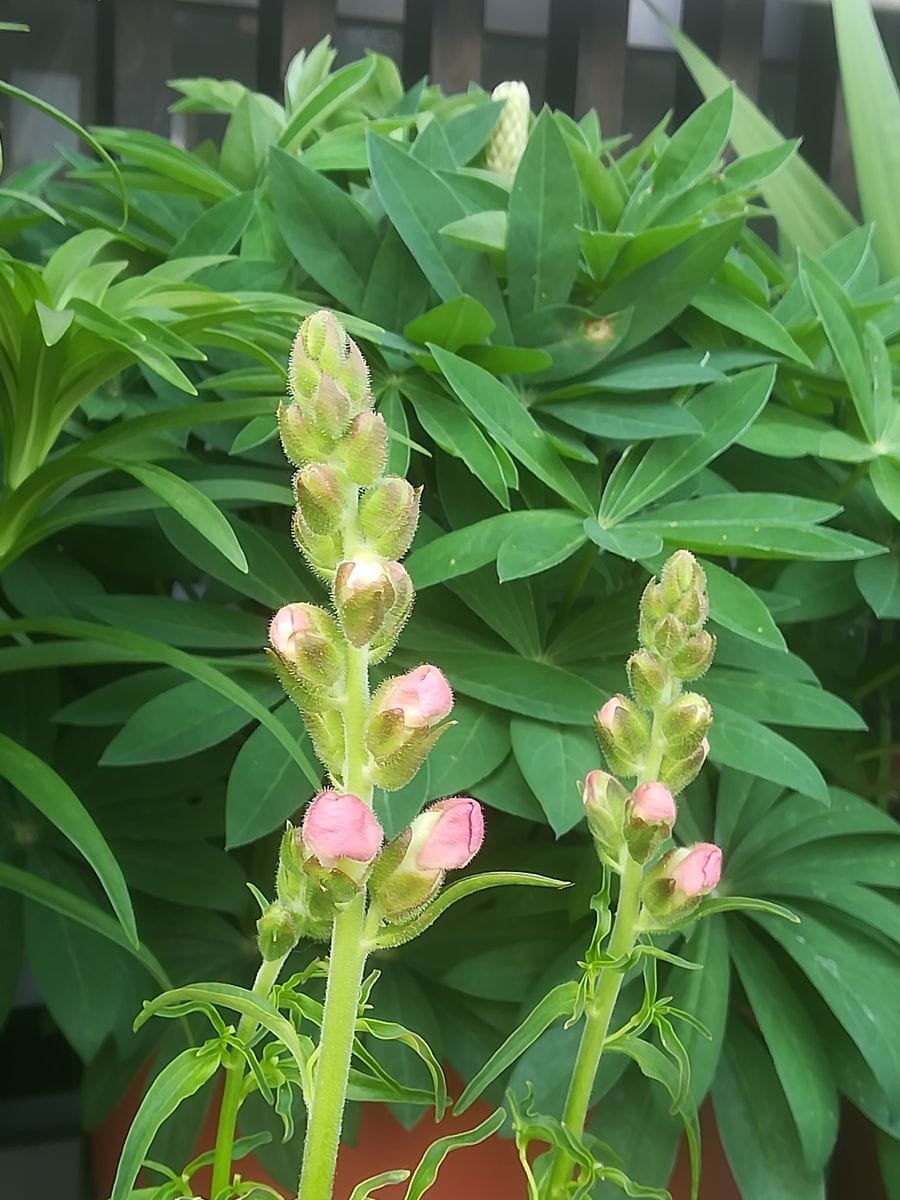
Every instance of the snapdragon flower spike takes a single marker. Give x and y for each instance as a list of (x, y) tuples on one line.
[(674, 887), (509, 138), (650, 813), (323, 347), (409, 874), (405, 722), (337, 826), (624, 735)]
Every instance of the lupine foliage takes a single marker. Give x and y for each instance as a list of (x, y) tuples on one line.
[(587, 362)]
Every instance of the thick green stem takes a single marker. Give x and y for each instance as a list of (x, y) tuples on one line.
[(599, 1011), (345, 968), (265, 980)]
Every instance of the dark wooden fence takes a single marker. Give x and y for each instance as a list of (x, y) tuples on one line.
[(579, 58)]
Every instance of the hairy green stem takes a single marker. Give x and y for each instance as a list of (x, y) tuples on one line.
[(599, 1010), (266, 978), (345, 968)]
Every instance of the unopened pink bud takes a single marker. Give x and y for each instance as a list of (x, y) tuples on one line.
[(697, 870), (289, 623), (422, 695), (653, 804), (607, 714), (455, 837), (340, 826)]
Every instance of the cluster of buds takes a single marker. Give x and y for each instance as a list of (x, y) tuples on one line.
[(660, 721), (658, 736), (339, 848)]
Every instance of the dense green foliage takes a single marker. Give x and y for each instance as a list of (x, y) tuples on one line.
[(588, 363)]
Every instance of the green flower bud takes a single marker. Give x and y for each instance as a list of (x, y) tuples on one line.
[(322, 551), (509, 138), (363, 595), (301, 442), (322, 497), (329, 409), (667, 636), (686, 722), (278, 932), (323, 348), (395, 770), (308, 642), (362, 452), (647, 679), (624, 735), (604, 807), (388, 515), (680, 575), (695, 656), (396, 616), (326, 732), (677, 771)]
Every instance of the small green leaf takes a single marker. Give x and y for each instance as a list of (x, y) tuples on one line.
[(739, 742), (734, 604), (554, 760), (541, 547), (364, 1190), (455, 323)]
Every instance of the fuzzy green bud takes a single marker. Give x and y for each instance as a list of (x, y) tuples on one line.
[(277, 932), (604, 808), (362, 452), (624, 735), (323, 348), (308, 642), (695, 656), (322, 497), (326, 732), (388, 515), (667, 636), (650, 813), (647, 679), (509, 138), (321, 550), (686, 722), (678, 770), (396, 616), (363, 594), (301, 442), (329, 409)]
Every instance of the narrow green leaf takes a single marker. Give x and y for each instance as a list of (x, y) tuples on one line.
[(554, 760), (872, 101), (737, 741), (505, 417), (426, 1172), (734, 604), (191, 504), (52, 796), (724, 411), (544, 546), (364, 1190), (519, 685), (733, 310), (542, 244), (181, 1078)]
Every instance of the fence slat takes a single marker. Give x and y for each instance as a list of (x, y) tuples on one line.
[(602, 57), (701, 20), (740, 42), (283, 28), (135, 59), (817, 74), (457, 30)]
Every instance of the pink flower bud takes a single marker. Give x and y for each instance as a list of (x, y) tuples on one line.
[(340, 826), (422, 695), (604, 805), (454, 838), (606, 715), (696, 871), (652, 803), (289, 624)]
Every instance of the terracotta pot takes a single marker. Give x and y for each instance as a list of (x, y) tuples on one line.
[(489, 1171)]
